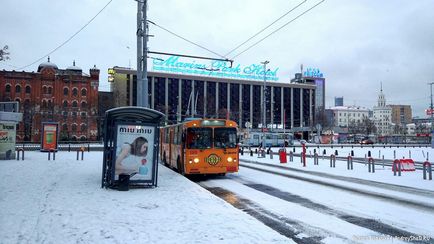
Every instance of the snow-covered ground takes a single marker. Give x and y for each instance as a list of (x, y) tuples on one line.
[(61, 202), (382, 173), (393, 213)]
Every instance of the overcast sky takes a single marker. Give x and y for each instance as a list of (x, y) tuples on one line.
[(356, 44)]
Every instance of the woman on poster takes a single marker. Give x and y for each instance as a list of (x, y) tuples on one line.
[(132, 157)]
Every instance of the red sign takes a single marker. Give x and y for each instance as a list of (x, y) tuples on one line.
[(49, 136), (422, 135), (429, 111)]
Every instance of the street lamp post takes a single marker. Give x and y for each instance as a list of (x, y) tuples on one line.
[(264, 103), (431, 112)]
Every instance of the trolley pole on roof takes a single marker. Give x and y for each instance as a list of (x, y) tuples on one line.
[(264, 103), (142, 50)]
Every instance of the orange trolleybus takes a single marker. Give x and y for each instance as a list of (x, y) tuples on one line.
[(200, 146)]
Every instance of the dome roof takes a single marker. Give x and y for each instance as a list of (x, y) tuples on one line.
[(73, 67), (47, 64)]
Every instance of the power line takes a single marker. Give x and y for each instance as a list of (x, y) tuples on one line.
[(70, 38), (256, 43), (265, 28), (185, 39)]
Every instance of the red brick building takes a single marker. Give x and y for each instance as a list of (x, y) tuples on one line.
[(69, 97)]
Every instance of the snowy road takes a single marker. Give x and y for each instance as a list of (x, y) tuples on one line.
[(317, 207)]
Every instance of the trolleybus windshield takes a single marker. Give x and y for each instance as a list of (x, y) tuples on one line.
[(199, 138), (225, 137)]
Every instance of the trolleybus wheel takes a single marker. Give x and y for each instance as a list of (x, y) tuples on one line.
[(165, 160), (180, 169)]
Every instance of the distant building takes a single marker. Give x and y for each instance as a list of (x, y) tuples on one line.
[(401, 114), (315, 77), (106, 101), (339, 101), (67, 96), (345, 116), (382, 116)]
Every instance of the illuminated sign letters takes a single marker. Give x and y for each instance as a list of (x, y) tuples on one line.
[(313, 73), (217, 68)]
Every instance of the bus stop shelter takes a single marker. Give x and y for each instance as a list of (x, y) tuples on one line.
[(131, 140)]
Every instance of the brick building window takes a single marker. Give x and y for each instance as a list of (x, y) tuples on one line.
[(83, 92), (74, 127), (83, 104), (50, 90), (65, 91), (28, 89), (74, 104), (74, 92), (44, 104), (65, 127), (44, 90), (83, 127), (8, 88), (65, 103), (17, 88)]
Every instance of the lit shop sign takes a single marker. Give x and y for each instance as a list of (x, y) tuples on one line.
[(220, 69), (313, 73)]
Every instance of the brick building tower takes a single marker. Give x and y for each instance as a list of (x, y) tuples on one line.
[(69, 97)]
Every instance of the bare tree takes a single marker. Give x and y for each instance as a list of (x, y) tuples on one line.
[(4, 54)]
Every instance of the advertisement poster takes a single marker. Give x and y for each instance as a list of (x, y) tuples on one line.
[(135, 151), (49, 136), (7, 140)]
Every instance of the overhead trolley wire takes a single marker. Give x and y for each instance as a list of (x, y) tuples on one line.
[(265, 28), (292, 20), (69, 39), (185, 39)]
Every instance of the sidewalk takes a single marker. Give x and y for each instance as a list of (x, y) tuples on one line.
[(61, 201)]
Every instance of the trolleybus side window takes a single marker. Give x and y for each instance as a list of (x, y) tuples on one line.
[(225, 137), (199, 138)]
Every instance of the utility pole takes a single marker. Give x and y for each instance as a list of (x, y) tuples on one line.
[(431, 110), (264, 103), (142, 53)]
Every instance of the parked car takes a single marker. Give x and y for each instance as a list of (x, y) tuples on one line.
[(366, 141)]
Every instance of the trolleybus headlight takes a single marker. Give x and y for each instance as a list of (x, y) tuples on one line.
[(190, 161), (196, 160), (230, 159)]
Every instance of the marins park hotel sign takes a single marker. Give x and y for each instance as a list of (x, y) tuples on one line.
[(217, 68)]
